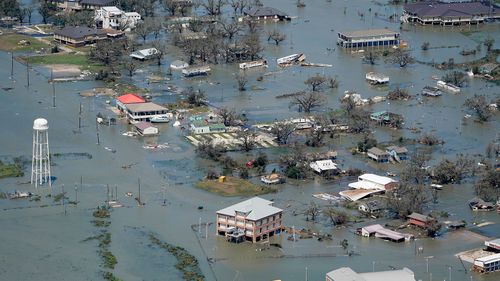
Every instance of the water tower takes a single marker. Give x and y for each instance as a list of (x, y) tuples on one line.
[(40, 164)]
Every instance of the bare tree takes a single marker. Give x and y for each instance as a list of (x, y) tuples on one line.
[(315, 81), (479, 106), (242, 81), (408, 198), (29, 13), (401, 57), (312, 211), (248, 140), (488, 187), (171, 6), (456, 78), (336, 217), (195, 97), (413, 171), (252, 44), (131, 66), (213, 7), (398, 94), (308, 101), (282, 131), (333, 82), (371, 58), (488, 43), (276, 36), (227, 115), (161, 48), (230, 28), (143, 29)]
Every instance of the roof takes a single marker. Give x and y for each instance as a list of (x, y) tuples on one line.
[(356, 194), (397, 149), (493, 243), (77, 32), (453, 9), (215, 126), (376, 179), (376, 151), (112, 9), (488, 259), (372, 228), (97, 2), (347, 274), (369, 33), (323, 165), (144, 53), (264, 11), (390, 234), (379, 113), (145, 106), (256, 209), (420, 217), (130, 98), (143, 125)]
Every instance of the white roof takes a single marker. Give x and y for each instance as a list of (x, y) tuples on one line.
[(372, 228), (347, 274), (376, 179), (356, 194), (488, 259), (323, 165), (132, 14), (371, 181), (144, 53), (112, 9), (256, 209)]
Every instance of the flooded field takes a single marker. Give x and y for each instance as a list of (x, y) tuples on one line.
[(42, 240)]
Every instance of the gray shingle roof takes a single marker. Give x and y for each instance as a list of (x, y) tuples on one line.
[(265, 11), (437, 9), (97, 2), (77, 32)]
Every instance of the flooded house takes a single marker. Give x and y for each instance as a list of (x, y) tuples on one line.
[(196, 71), (420, 220), (145, 54), (347, 274), (323, 166), (375, 78), (378, 155), (429, 91), (372, 208), (78, 5), (112, 17), (146, 129), (478, 205), (397, 153), (128, 98), (367, 185), (381, 232), (368, 38), (252, 64), (77, 36), (266, 13), (449, 13), (206, 127), (144, 111), (253, 220), (448, 87)]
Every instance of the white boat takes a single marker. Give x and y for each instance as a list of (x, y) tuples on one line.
[(272, 179), (196, 71), (291, 59), (255, 63), (431, 91), (448, 87), (160, 119), (376, 78)]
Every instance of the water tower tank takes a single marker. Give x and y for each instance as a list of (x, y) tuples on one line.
[(40, 124)]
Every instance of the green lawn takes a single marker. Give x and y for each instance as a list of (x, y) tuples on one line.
[(9, 42), (79, 60), (10, 170)]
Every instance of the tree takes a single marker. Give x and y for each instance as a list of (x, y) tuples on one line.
[(10, 8), (366, 143), (454, 171), (46, 10), (413, 171), (213, 7), (336, 217), (209, 150), (315, 82), (425, 46), (398, 94), (488, 43), (282, 131), (429, 139), (29, 13), (247, 140), (252, 45), (106, 52), (242, 81), (401, 57), (161, 48), (333, 82), (130, 66), (170, 6), (312, 211), (407, 198), (276, 36), (371, 58), (456, 78), (227, 115), (230, 28), (358, 121), (195, 97), (143, 29), (308, 101), (479, 106), (488, 187)]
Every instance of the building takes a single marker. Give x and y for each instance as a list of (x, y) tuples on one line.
[(266, 13), (366, 185), (144, 111), (347, 274), (489, 263), (112, 17), (493, 245), (77, 5), (421, 220), (449, 13), (146, 129), (397, 153), (145, 54), (323, 166), (206, 127), (123, 100), (252, 220), (376, 78), (372, 208), (368, 38), (378, 155), (383, 233), (78, 36)]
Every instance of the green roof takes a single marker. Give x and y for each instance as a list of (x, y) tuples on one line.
[(217, 126)]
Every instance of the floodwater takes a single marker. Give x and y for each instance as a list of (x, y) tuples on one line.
[(40, 241)]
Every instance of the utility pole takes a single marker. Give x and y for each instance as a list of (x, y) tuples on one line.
[(116, 192), (63, 195), (139, 187), (307, 277), (97, 131), (76, 194), (107, 194), (81, 182), (27, 72), (12, 65), (80, 118), (53, 88)]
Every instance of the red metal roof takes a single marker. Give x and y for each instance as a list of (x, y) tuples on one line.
[(130, 98)]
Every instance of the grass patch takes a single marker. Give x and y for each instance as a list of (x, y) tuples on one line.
[(10, 170), (186, 263), (101, 212), (101, 223), (58, 197), (124, 88), (9, 42), (82, 61), (110, 276), (233, 187), (109, 260)]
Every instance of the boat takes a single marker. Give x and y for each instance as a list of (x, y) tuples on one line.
[(436, 186), (376, 78), (160, 119), (196, 71), (272, 179), (178, 64), (255, 63), (430, 91), (448, 87), (291, 59)]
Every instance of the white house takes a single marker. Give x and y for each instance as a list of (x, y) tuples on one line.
[(112, 17), (346, 273), (323, 166), (145, 54), (368, 184), (146, 129)]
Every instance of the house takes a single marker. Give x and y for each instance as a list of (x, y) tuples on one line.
[(366, 185), (380, 232), (347, 274), (144, 111), (266, 13), (478, 204), (397, 153), (371, 208), (368, 38), (378, 155), (78, 36), (449, 13), (145, 54), (123, 100), (421, 220), (488, 68), (112, 17), (486, 264), (78, 5), (146, 129), (493, 245), (323, 166), (253, 220), (376, 78), (330, 154), (206, 127)]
